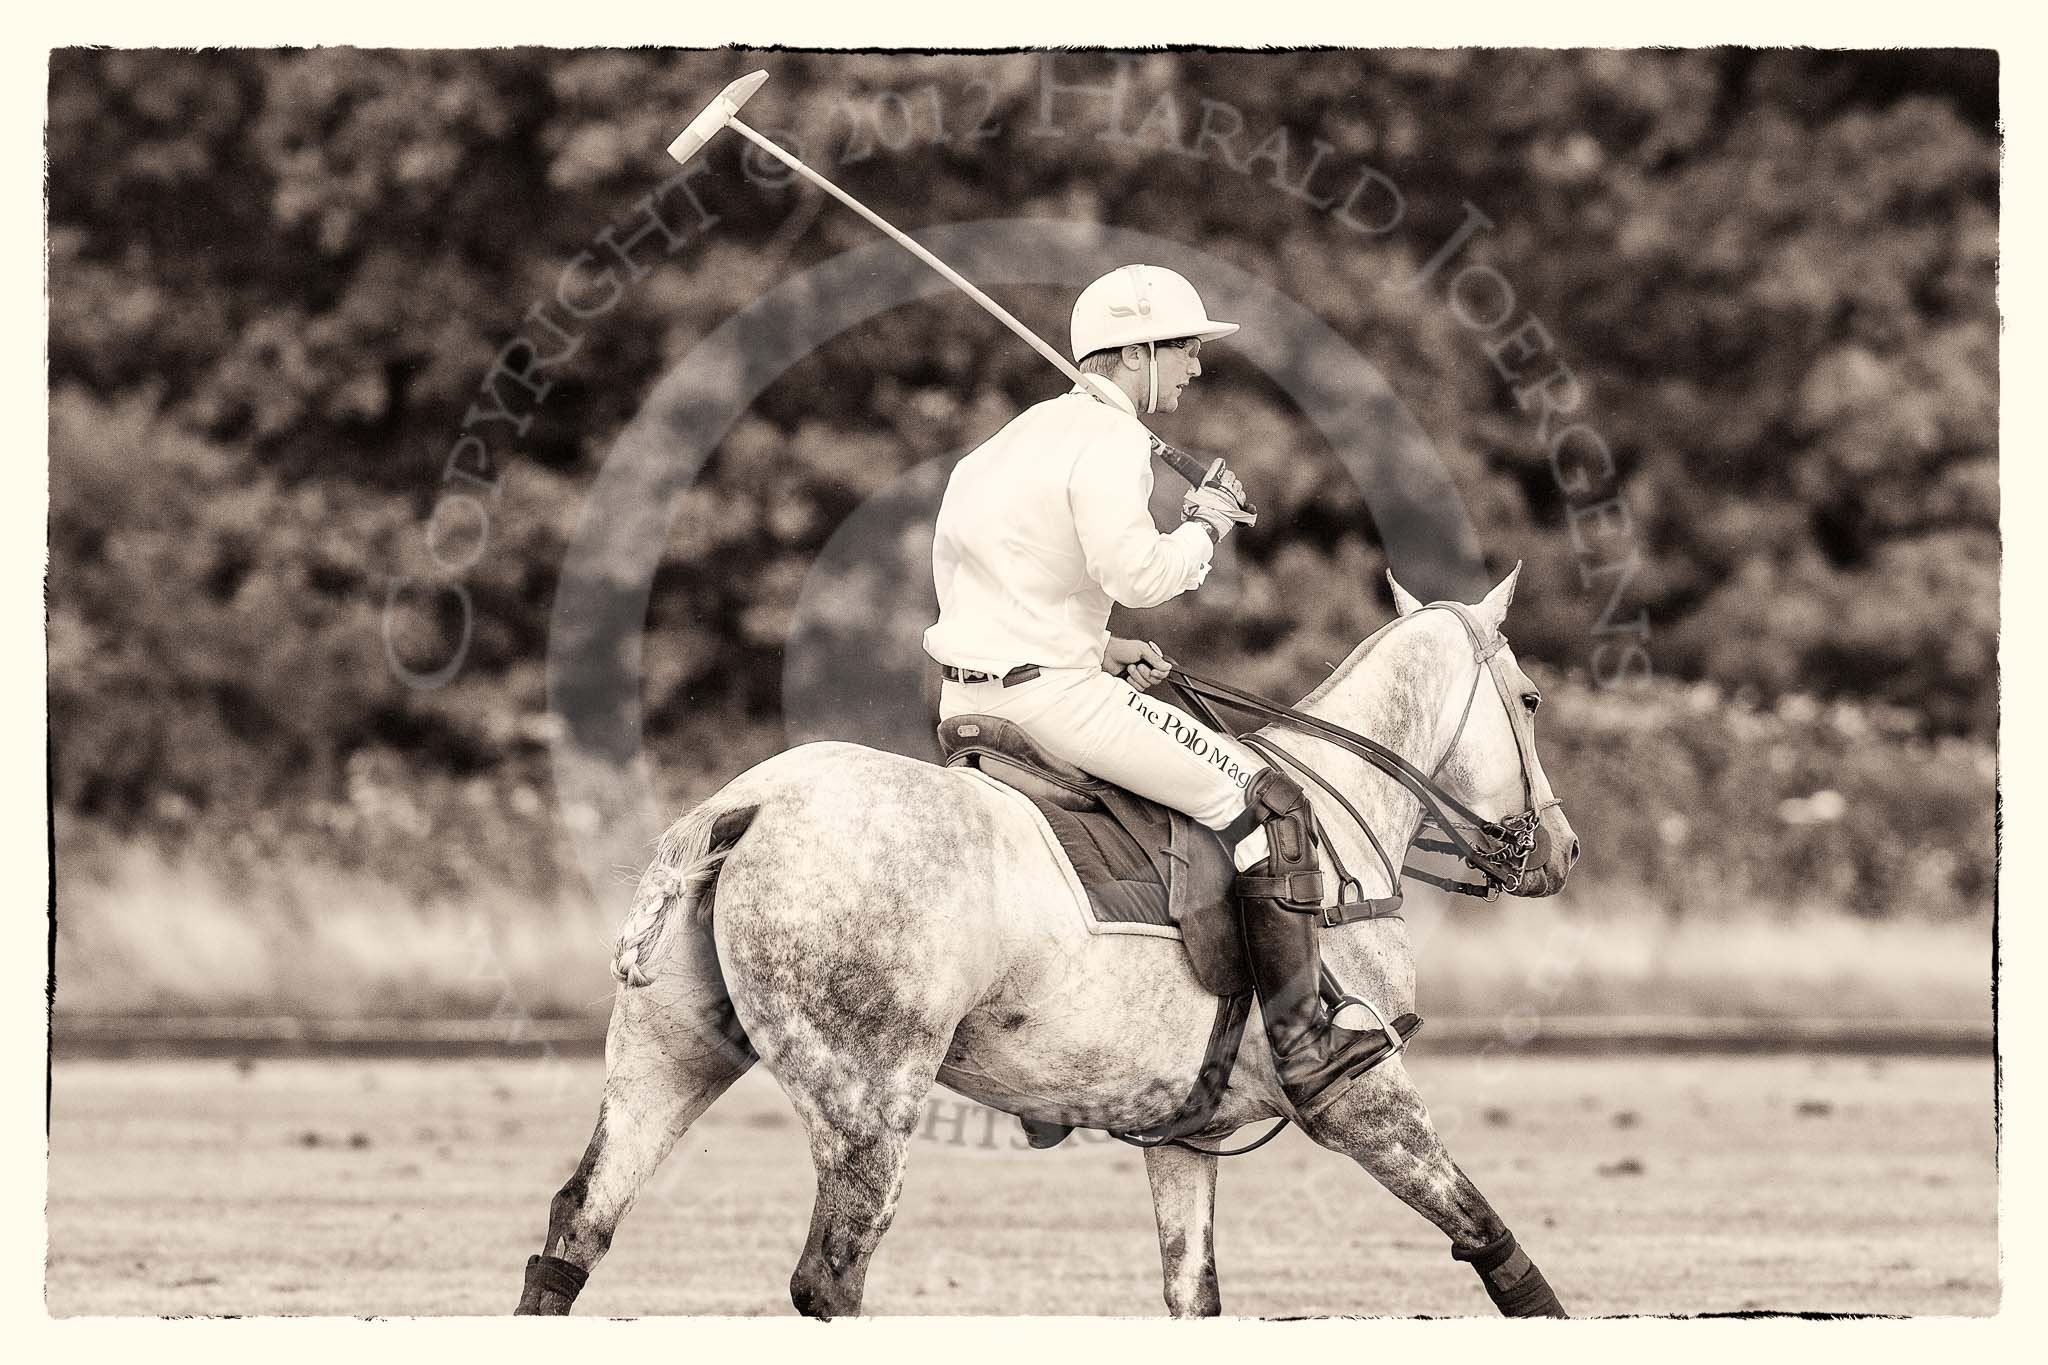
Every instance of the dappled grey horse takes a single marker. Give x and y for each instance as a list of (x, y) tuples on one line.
[(865, 924)]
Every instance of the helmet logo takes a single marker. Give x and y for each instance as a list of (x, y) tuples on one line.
[(1143, 306)]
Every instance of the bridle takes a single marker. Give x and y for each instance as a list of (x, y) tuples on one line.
[(1517, 834), (1499, 850)]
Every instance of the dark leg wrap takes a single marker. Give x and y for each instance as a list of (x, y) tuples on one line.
[(1512, 1280), (550, 1275)]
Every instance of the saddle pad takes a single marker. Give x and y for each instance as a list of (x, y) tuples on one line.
[(1120, 868), (1146, 869)]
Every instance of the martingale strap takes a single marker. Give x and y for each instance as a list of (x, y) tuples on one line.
[(1484, 890)]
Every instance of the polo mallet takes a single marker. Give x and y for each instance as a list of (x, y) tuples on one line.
[(724, 111)]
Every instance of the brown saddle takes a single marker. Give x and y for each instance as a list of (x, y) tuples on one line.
[(1140, 862)]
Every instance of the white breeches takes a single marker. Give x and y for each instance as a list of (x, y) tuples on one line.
[(1103, 725)]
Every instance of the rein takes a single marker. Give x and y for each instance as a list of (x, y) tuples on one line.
[(1499, 850)]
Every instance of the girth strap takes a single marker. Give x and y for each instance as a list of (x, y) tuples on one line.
[(1220, 1058)]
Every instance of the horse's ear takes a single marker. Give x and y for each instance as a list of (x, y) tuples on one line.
[(1404, 601), (1493, 608)]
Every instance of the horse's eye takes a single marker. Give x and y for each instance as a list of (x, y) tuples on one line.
[(1532, 700)]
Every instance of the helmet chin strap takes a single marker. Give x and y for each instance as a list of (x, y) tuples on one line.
[(1151, 376)]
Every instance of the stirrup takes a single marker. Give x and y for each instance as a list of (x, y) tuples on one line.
[(1394, 1038), (1395, 1035)]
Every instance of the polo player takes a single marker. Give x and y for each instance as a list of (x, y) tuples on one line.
[(1044, 526)]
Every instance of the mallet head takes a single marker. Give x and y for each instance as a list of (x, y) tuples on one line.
[(715, 116)]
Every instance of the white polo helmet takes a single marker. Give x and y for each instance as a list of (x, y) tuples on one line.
[(1140, 303)]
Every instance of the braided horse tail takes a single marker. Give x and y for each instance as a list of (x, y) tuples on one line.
[(676, 889)]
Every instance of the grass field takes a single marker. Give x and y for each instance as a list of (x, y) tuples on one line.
[(148, 936), (1641, 1185)]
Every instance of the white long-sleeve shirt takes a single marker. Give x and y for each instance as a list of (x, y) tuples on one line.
[(1043, 527)]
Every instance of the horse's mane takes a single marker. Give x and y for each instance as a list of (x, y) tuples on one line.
[(1350, 661)]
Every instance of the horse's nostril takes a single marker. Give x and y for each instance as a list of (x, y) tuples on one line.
[(1572, 856)]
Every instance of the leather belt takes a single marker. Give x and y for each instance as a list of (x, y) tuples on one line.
[(1022, 673)]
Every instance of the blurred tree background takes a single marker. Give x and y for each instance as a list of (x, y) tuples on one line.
[(277, 281)]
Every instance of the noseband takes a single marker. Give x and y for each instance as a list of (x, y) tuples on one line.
[(1499, 850)]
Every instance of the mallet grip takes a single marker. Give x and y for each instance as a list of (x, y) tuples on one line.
[(1180, 462), (1187, 466)]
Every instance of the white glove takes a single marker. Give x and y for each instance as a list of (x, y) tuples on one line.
[(1224, 477), (1219, 503)]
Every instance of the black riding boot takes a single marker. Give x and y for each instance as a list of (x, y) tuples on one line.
[(1279, 902)]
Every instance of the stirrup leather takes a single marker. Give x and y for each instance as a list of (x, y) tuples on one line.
[(1301, 892), (1291, 880)]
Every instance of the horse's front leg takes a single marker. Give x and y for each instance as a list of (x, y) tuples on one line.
[(1382, 1125), (1184, 1202)]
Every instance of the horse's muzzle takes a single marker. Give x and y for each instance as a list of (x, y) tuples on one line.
[(1545, 872)]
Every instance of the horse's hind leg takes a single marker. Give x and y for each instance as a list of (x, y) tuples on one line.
[(859, 1120), (851, 978), (856, 1052), (1382, 1125), (666, 1061)]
